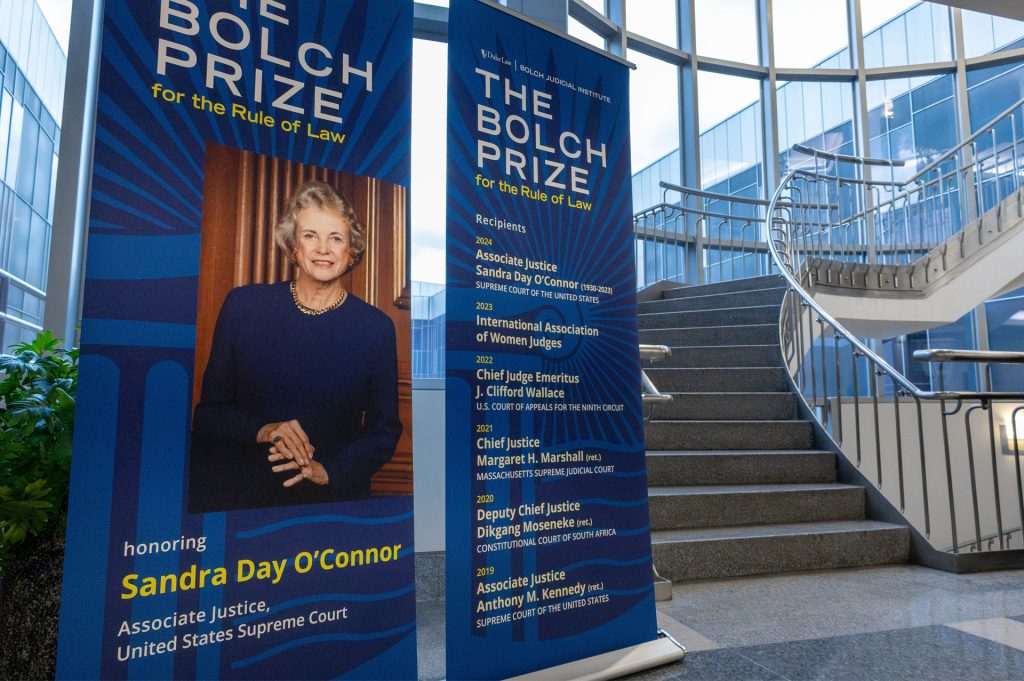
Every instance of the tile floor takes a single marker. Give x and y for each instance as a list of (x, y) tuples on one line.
[(895, 623)]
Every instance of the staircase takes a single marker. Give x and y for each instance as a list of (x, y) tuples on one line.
[(736, 486)]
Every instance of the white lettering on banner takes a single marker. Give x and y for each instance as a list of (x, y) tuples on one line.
[(185, 26)]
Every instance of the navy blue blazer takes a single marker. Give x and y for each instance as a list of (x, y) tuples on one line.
[(336, 373)]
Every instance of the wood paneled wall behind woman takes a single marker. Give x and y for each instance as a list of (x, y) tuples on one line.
[(244, 194)]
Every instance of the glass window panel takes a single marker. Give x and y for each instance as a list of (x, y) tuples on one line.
[(5, 19), (720, 97), (707, 156), (838, 138), (8, 331), (887, 25), (727, 29), (878, 147), (6, 107), (6, 217), (876, 93), (1008, 33), (984, 33), (935, 131), (596, 4), (733, 136), (53, 189), (654, 130), (38, 247), (727, 103), (894, 43), (650, 262), (832, 103), (990, 98), (14, 146), (654, 19), (429, 88), (794, 122), (954, 375), (812, 109), (798, 47), (37, 26), (897, 111), (873, 50), (21, 230), (17, 18), (751, 133), (641, 278), (979, 76), (578, 30), (941, 42), (901, 144), (41, 186), (932, 91), (27, 160), (875, 13), (15, 297), (913, 136), (1005, 319)]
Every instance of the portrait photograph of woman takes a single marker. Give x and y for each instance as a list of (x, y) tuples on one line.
[(302, 338)]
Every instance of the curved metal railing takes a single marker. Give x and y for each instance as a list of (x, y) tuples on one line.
[(702, 237), (883, 229), (921, 448)]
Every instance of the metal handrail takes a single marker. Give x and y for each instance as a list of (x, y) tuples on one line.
[(808, 300), (715, 241), (650, 395), (654, 352), (806, 329), (944, 355), (859, 160), (700, 193)]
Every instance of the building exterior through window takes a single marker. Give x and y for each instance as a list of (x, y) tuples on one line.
[(32, 67)]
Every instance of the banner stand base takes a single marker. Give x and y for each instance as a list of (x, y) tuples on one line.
[(614, 664)]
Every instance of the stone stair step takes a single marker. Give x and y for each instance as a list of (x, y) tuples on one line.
[(713, 553), (751, 334), (708, 356), (749, 284), (719, 380), (734, 505), (714, 301), (732, 435), (740, 467), (731, 406), (730, 316)]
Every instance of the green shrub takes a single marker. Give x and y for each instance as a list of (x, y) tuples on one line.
[(37, 412)]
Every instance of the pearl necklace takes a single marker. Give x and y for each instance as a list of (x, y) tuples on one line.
[(311, 311)]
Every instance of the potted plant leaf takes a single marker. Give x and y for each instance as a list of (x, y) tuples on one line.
[(38, 380)]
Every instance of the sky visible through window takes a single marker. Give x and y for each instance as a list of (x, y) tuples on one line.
[(58, 15)]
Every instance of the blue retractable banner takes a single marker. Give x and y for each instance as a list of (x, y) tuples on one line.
[(548, 535), (241, 487)]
